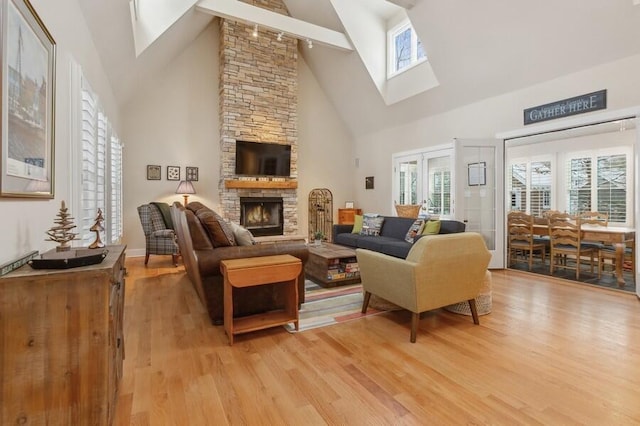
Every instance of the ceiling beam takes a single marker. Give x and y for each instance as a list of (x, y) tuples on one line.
[(407, 4), (238, 11)]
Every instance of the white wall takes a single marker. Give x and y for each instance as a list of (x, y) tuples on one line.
[(325, 149), (483, 120), (173, 121), (24, 222)]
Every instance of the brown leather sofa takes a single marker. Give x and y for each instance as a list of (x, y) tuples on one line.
[(198, 234)]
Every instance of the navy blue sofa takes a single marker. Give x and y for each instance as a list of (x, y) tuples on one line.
[(391, 239)]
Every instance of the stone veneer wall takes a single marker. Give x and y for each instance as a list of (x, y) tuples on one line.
[(258, 102)]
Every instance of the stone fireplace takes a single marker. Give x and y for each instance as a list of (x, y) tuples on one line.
[(258, 102), (262, 216)]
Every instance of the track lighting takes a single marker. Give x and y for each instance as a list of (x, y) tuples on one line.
[(309, 44), (255, 31), (280, 34)]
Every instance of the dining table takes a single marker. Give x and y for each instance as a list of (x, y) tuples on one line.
[(616, 236)]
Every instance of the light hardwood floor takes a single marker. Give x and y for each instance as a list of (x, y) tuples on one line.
[(551, 352)]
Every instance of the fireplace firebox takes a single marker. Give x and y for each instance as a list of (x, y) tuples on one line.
[(262, 216)]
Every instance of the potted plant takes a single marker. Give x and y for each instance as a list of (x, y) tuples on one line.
[(318, 236)]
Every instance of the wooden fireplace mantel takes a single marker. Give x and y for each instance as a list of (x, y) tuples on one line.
[(260, 184)]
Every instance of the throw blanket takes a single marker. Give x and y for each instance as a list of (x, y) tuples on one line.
[(165, 211)]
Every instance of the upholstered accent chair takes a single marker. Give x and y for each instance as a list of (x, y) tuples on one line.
[(439, 270), (160, 238)]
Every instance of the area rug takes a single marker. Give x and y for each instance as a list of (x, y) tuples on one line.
[(328, 306)]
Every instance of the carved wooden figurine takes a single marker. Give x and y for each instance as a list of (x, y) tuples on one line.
[(97, 228)]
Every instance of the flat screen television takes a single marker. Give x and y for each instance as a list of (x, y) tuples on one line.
[(263, 159)]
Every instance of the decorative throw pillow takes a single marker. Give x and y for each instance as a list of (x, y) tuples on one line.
[(357, 224), (416, 228), (371, 224), (431, 227), (219, 231), (242, 235)]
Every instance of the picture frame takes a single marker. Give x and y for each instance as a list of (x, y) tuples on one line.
[(191, 173), (154, 172), (348, 205), (173, 173), (477, 173), (28, 106), (368, 182)]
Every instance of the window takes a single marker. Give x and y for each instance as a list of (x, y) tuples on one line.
[(594, 180), (439, 184), (424, 178), (597, 182), (101, 178), (403, 48), (408, 177), (530, 183)]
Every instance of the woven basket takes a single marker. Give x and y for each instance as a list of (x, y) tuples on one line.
[(483, 301), (408, 210)]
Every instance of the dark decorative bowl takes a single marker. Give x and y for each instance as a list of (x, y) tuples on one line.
[(68, 259)]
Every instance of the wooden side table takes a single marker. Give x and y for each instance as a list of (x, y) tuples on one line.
[(254, 271), (347, 216)]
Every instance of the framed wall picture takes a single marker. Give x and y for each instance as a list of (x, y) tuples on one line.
[(28, 102), (368, 182), (191, 174), (173, 173), (477, 173), (154, 172)]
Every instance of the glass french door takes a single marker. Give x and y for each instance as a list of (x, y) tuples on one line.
[(408, 179), (438, 177), (479, 192), (425, 178)]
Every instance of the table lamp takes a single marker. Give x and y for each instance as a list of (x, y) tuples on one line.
[(185, 188)]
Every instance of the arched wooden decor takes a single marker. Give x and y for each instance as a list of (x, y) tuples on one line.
[(320, 213)]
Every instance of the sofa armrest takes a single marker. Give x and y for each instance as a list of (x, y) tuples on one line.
[(163, 233), (209, 260), (388, 277), (340, 229)]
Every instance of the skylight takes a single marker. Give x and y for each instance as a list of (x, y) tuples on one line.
[(404, 49)]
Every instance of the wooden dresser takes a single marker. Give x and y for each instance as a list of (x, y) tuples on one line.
[(346, 216), (61, 343)]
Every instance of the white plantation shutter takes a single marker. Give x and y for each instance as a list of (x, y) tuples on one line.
[(612, 187), (517, 182), (540, 187), (598, 182), (101, 172), (115, 208), (530, 185), (89, 197), (579, 185)]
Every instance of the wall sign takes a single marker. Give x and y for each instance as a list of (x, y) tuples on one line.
[(566, 107)]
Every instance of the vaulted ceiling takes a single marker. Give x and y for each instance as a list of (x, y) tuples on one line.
[(476, 49)]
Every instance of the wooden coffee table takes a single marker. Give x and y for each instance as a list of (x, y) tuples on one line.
[(331, 265)]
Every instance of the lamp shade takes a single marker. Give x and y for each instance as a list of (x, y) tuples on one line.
[(185, 187)]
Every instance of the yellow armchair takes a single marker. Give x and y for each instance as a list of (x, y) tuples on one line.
[(439, 270)]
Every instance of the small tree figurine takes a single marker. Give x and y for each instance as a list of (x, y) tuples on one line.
[(97, 228), (62, 232)]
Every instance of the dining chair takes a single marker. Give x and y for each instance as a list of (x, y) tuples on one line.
[(595, 219), (566, 241), (609, 253), (522, 239)]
